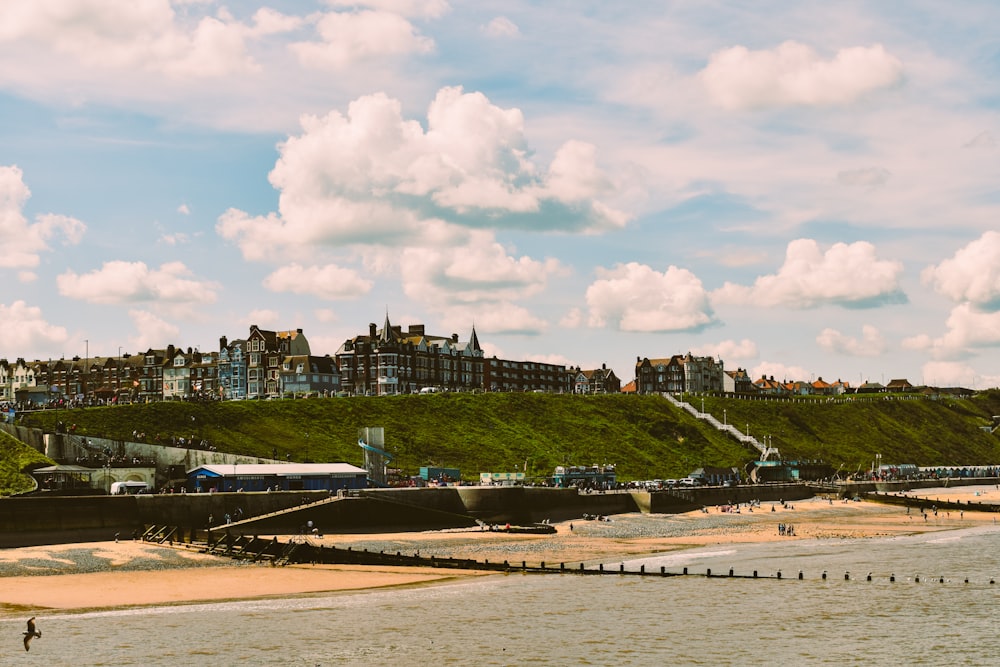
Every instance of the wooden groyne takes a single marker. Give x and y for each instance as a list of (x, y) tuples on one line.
[(929, 503), (301, 550)]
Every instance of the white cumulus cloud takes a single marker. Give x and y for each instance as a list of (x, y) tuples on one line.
[(501, 26), (326, 282), (21, 241), (968, 329), (430, 9), (780, 372), (144, 35), (972, 275), (845, 274), (956, 374), (152, 331), (263, 317), (25, 329), (349, 37), (794, 74), (130, 282), (636, 297), (870, 344), (728, 350), (373, 177), (496, 317), (480, 270)]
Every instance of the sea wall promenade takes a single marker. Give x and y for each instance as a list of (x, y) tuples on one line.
[(41, 519)]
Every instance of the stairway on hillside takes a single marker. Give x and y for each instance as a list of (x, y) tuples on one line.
[(765, 452)]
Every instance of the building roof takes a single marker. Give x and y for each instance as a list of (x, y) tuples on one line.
[(279, 469), (665, 361), (61, 468)]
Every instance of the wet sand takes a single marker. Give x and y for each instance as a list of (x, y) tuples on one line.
[(117, 574)]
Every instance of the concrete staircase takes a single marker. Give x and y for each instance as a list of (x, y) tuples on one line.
[(765, 452)]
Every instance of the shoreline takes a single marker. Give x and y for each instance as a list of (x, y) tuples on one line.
[(102, 575)]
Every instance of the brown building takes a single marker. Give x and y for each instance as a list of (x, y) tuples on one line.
[(389, 361), (658, 376), (265, 352), (507, 375), (596, 381)]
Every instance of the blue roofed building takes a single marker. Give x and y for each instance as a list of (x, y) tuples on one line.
[(276, 476)]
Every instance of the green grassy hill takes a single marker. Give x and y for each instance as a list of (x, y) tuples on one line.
[(15, 456), (644, 435)]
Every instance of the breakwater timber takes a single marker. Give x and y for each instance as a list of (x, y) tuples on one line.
[(302, 550)]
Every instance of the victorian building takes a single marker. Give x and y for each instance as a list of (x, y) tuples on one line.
[(596, 381), (265, 352), (232, 369), (389, 361)]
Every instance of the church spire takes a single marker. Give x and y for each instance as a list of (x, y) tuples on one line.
[(387, 335), (474, 341)]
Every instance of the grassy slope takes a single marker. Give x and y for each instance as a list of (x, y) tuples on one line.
[(14, 457), (644, 435)]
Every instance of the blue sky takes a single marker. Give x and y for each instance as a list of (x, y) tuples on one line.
[(806, 192)]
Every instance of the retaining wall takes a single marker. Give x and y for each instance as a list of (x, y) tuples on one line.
[(909, 485), (57, 520)]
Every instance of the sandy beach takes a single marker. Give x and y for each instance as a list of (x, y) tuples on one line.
[(117, 574)]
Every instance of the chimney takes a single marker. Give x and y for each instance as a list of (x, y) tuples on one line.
[(372, 331), (454, 338), (223, 343)]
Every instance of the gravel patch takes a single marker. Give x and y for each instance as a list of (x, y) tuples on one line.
[(85, 560)]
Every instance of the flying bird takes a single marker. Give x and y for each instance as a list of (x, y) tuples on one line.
[(30, 634)]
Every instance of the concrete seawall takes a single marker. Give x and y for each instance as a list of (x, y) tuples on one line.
[(50, 520), (855, 488), (59, 520)]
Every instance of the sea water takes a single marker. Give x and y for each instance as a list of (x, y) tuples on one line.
[(930, 615)]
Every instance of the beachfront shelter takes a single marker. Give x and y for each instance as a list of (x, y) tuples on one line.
[(64, 478), (276, 476)]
